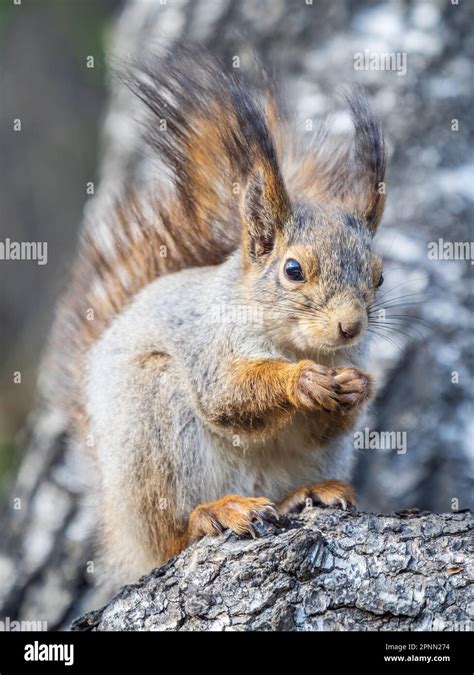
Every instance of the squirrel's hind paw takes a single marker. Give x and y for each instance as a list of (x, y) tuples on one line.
[(333, 493), (254, 516)]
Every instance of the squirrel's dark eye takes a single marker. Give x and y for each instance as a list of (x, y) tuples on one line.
[(380, 281), (293, 270)]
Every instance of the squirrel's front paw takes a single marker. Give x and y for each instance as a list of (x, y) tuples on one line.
[(242, 515), (355, 386), (317, 388), (331, 389)]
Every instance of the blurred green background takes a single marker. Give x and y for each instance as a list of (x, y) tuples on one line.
[(44, 170)]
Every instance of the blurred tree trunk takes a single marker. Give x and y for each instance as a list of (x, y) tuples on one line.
[(47, 532)]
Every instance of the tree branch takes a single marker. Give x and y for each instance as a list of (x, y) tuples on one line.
[(325, 570)]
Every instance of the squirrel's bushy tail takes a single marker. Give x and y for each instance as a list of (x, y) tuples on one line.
[(208, 129)]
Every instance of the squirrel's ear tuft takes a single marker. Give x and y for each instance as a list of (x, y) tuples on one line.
[(264, 210), (352, 174), (369, 159)]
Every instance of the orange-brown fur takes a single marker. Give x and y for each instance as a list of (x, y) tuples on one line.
[(328, 493)]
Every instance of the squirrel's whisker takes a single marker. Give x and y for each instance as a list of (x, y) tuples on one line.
[(387, 338), (396, 328), (410, 319), (402, 318), (400, 285), (418, 299)]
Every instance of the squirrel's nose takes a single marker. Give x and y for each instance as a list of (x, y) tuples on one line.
[(349, 329)]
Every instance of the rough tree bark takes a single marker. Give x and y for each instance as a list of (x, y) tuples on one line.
[(306, 578), (325, 570)]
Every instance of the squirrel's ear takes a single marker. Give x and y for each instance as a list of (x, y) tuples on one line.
[(368, 197), (264, 209)]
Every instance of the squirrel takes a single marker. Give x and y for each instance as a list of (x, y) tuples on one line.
[(217, 330)]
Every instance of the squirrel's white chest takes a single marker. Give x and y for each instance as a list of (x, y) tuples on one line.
[(289, 460)]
